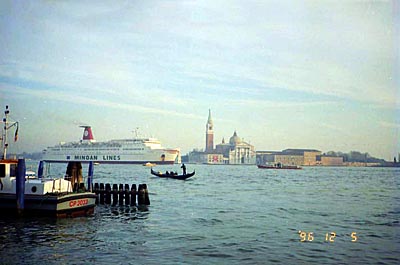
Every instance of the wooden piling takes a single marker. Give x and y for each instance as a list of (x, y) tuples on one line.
[(102, 193), (127, 195), (96, 190), (133, 195), (140, 195), (146, 195), (20, 186), (90, 176), (108, 193), (121, 194), (115, 194)]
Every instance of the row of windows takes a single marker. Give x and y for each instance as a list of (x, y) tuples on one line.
[(132, 149), (95, 149)]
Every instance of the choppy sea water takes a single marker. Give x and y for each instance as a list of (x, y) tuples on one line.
[(224, 215)]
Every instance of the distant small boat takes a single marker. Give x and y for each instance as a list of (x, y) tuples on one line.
[(172, 175), (29, 174), (279, 166), (148, 164)]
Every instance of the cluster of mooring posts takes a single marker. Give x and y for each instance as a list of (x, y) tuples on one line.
[(121, 194)]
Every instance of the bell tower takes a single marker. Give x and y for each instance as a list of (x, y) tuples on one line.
[(209, 133)]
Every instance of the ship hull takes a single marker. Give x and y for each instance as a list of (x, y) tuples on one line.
[(68, 205), (165, 158), (158, 157), (113, 162)]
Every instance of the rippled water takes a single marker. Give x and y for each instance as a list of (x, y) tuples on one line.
[(224, 215)]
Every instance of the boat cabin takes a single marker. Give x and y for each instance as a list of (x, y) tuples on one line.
[(33, 185)]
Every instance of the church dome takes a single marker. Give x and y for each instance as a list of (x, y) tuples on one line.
[(234, 140)]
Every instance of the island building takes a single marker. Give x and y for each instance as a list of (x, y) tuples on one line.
[(299, 157), (326, 160), (234, 152)]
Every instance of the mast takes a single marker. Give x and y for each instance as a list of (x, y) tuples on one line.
[(5, 129)]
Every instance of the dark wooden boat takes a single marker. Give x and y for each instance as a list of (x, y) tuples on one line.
[(279, 166), (172, 175)]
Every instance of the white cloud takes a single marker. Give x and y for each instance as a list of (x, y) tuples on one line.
[(390, 125), (266, 104), (93, 101)]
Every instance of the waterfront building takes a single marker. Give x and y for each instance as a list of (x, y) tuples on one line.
[(326, 160), (298, 157), (309, 155), (235, 152), (201, 157), (289, 159)]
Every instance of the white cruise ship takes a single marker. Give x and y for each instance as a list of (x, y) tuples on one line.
[(124, 151)]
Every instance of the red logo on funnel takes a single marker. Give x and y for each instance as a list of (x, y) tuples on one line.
[(87, 133)]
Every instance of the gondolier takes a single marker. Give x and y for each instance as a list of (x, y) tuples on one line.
[(183, 169)]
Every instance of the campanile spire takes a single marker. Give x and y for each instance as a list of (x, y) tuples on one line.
[(209, 133)]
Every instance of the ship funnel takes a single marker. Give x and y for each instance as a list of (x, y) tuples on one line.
[(87, 133)]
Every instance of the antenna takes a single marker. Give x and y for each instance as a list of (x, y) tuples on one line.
[(5, 129), (136, 132)]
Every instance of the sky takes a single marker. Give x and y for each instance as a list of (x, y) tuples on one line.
[(284, 74)]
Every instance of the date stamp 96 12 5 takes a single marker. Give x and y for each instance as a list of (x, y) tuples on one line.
[(307, 236)]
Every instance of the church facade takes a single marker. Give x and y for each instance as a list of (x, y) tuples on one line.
[(235, 152)]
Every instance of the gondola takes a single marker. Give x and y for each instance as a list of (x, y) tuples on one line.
[(173, 176)]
